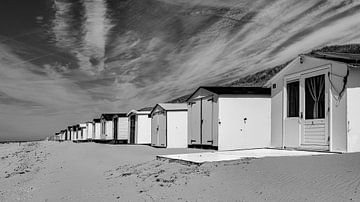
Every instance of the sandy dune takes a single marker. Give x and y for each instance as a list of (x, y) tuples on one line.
[(52, 171)]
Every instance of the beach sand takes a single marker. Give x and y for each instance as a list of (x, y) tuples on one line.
[(53, 171)]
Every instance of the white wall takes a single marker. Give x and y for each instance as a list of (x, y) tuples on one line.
[(353, 110), (84, 133), (177, 129), (90, 130), (97, 131), (235, 132), (123, 128), (109, 130), (143, 130), (72, 135), (353, 118)]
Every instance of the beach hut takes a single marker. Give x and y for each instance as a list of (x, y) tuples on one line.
[(66, 132), (315, 103), (112, 127), (107, 125), (97, 129), (169, 125), (82, 132), (121, 128), (56, 137), (89, 130), (140, 126), (228, 118), (62, 135), (76, 135), (70, 132)]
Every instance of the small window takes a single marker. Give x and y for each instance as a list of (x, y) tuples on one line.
[(293, 99), (315, 97)]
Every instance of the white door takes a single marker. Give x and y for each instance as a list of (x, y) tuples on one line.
[(194, 117), (206, 121), (314, 108), (122, 130), (292, 120), (155, 129), (162, 135)]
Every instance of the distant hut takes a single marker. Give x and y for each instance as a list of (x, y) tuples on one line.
[(75, 133), (97, 130), (169, 125), (70, 132), (140, 126), (89, 130), (82, 132), (228, 118), (114, 127), (121, 128)]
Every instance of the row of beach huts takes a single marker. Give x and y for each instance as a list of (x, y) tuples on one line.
[(311, 104)]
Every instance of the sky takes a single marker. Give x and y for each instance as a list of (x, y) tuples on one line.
[(64, 62)]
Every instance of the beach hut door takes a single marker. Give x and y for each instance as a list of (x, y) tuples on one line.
[(314, 108), (206, 121), (194, 114), (162, 129), (132, 129)]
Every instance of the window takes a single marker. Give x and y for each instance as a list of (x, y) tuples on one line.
[(293, 99), (315, 97)]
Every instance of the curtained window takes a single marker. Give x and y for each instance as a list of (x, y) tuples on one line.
[(315, 97), (293, 99)]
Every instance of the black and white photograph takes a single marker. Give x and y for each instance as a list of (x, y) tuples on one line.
[(179, 100)]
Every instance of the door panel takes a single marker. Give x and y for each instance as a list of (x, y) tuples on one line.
[(154, 130), (292, 122), (123, 128), (132, 129), (206, 122), (194, 122), (162, 130), (115, 128), (315, 99)]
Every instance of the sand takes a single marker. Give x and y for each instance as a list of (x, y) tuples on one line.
[(53, 171)]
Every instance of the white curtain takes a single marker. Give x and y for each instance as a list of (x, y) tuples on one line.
[(316, 87)]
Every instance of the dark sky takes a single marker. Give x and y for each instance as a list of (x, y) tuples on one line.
[(63, 62)]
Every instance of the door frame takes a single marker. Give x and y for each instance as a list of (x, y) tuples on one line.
[(207, 98), (297, 76), (326, 119)]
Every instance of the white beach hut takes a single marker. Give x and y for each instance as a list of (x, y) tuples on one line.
[(114, 127), (82, 132), (90, 130), (315, 103), (169, 125), (71, 132), (140, 126), (121, 128), (97, 129), (62, 135), (74, 132), (228, 118), (57, 137), (107, 127), (67, 134)]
